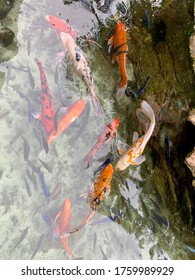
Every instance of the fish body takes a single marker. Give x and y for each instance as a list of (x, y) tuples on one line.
[(44, 186), (47, 219), (101, 187), (62, 221), (81, 67), (47, 106), (22, 237), (133, 155), (118, 42), (108, 133), (60, 25), (72, 113)]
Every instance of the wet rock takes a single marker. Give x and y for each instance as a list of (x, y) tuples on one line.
[(68, 1), (6, 36), (190, 162), (5, 7)]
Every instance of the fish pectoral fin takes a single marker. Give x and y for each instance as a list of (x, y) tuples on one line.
[(139, 160), (57, 217), (110, 43), (37, 115), (135, 137)]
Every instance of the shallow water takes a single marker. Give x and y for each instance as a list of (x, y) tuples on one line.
[(140, 233)]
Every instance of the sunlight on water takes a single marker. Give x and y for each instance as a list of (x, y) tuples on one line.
[(132, 235)]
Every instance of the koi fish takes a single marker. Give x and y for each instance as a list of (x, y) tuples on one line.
[(47, 107), (103, 139), (118, 42), (133, 156), (81, 67), (61, 25), (62, 221), (72, 113), (100, 188)]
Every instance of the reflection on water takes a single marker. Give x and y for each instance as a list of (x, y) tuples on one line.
[(136, 226)]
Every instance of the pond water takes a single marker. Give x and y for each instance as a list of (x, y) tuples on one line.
[(142, 228)]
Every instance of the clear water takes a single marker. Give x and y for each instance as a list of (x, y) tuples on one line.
[(134, 236)]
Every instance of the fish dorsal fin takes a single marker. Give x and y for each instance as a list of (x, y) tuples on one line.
[(135, 137)]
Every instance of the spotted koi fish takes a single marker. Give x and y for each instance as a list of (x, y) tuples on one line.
[(101, 187), (60, 25), (99, 190), (133, 156), (47, 107), (103, 139), (118, 44), (81, 67), (62, 221)]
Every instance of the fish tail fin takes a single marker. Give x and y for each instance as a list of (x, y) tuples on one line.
[(97, 105), (88, 159), (147, 109), (64, 242), (95, 101), (120, 91)]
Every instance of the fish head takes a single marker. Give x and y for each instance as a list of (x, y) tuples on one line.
[(120, 26), (66, 205), (60, 25), (115, 123), (78, 106)]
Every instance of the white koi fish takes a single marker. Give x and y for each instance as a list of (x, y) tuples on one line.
[(80, 65), (133, 156)]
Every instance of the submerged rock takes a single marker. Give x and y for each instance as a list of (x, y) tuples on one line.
[(6, 36), (5, 7)]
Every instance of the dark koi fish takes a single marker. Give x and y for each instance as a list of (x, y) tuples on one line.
[(37, 246), (47, 107), (47, 219), (30, 109), (26, 148), (23, 235), (44, 186), (142, 88)]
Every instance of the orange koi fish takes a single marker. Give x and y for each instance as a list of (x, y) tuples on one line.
[(72, 113), (118, 43), (47, 107), (103, 139), (62, 221), (100, 188), (81, 67), (133, 156), (60, 25)]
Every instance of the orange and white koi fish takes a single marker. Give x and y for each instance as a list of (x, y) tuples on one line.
[(70, 116), (62, 221), (103, 139), (47, 107), (118, 43), (61, 25), (133, 156), (81, 67), (100, 188)]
